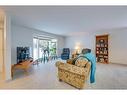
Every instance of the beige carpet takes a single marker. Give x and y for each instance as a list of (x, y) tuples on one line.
[(44, 76)]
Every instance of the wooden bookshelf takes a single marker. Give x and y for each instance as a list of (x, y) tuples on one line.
[(102, 48)]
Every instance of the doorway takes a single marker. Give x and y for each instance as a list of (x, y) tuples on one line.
[(44, 49)]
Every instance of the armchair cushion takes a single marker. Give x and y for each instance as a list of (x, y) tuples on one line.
[(81, 62)]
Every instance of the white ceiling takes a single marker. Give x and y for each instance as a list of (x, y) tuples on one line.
[(69, 20)]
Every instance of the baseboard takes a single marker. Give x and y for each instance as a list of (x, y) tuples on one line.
[(118, 63), (8, 80), (122, 64)]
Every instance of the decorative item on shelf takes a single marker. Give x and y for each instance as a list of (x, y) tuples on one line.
[(101, 52), (101, 60), (97, 52), (101, 40)]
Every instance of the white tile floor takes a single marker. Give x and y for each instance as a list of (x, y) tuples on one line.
[(44, 76)]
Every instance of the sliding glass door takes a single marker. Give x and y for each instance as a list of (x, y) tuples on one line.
[(44, 49), (35, 48)]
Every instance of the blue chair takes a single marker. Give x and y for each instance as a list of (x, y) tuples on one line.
[(65, 54)]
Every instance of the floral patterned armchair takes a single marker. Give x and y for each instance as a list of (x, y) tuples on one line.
[(75, 75)]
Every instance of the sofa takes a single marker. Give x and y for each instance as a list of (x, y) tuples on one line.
[(75, 75)]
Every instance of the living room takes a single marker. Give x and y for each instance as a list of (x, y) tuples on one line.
[(74, 27)]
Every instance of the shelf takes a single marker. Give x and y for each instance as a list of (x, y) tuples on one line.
[(103, 62), (102, 48), (100, 54)]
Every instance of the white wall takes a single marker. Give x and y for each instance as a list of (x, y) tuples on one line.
[(117, 43), (82, 41), (23, 36)]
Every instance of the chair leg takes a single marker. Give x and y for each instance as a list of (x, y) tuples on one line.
[(60, 80)]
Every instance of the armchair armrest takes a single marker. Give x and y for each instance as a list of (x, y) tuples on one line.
[(74, 69)]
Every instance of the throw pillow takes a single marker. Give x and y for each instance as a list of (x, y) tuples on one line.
[(81, 62)]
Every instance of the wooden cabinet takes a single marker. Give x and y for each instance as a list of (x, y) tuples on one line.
[(102, 48)]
